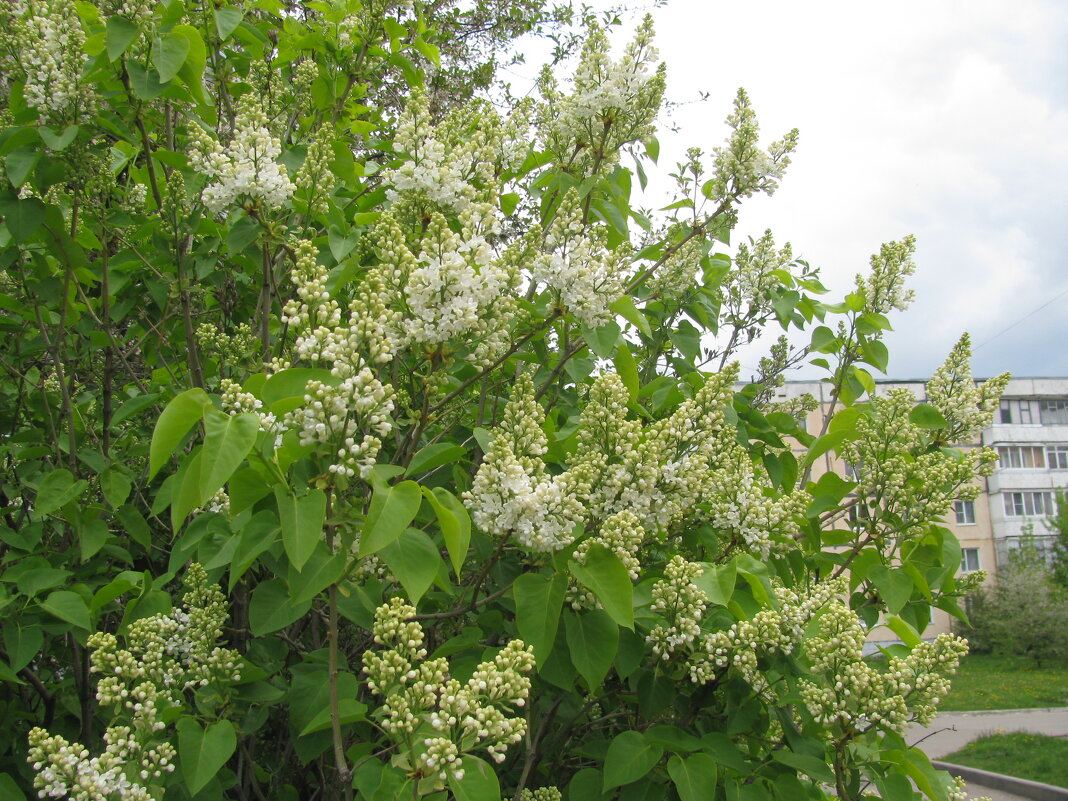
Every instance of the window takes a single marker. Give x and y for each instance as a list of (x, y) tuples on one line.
[(965, 512), (1021, 456), (969, 560), (1028, 504), (1054, 412), (1057, 456), (1018, 411)]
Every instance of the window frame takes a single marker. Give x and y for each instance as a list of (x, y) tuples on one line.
[(968, 510)]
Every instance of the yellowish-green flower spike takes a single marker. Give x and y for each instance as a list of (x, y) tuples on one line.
[(883, 290), (967, 407), (165, 656), (461, 717)]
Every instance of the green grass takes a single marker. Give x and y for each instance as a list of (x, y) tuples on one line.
[(1037, 757), (1000, 682)]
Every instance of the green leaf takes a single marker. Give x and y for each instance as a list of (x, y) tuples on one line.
[(58, 141), (192, 71), (627, 369), (904, 630), (894, 586), (120, 35), (226, 21), (592, 640), (809, 765), (717, 581), (22, 217), (169, 54), (68, 606), (20, 163), (203, 752), (349, 711), (926, 416), (56, 490), (145, 83), (22, 644), (694, 776), (302, 520), (538, 602), (392, 509), (321, 570), (270, 608), (602, 340), (434, 455), (454, 522), (824, 340), (605, 576), (9, 790), (227, 441), (257, 535), (687, 340), (626, 309), (414, 560), (629, 757), (116, 486), (174, 423), (478, 784)]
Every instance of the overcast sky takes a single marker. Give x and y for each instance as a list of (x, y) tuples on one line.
[(947, 120)]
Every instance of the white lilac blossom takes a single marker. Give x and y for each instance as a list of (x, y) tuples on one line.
[(967, 407), (513, 493), (741, 169), (246, 170), (578, 266), (350, 418), (743, 505), (780, 628), (49, 39), (845, 689), (454, 162), (165, 655), (612, 103), (437, 716), (883, 290), (891, 457), (681, 603)]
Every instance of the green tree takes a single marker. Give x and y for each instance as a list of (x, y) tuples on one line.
[(362, 439)]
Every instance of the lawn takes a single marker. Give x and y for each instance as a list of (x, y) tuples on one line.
[(1037, 757), (1001, 682)]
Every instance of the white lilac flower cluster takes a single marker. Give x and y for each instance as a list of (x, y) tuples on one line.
[(967, 407), (883, 290), (246, 170), (678, 274), (742, 503), (779, 628), (165, 655), (578, 266), (741, 168), (513, 492), (959, 791), (681, 603), (845, 689), (454, 163), (227, 346), (313, 306), (314, 181), (440, 718), (48, 39), (236, 401), (757, 269), (612, 103), (550, 793), (350, 417), (456, 292), (892, 459), (659, 475)]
